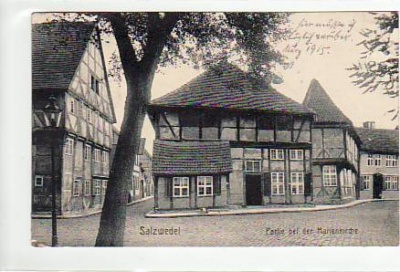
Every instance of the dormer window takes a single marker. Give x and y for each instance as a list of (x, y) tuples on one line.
[(94, 84)]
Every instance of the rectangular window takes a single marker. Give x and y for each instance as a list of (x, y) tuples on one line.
[(89, 115), (38, 181), (88, 187), (366, 182), (391, 161), (97, 187), (329, 175), (391, 183), (378, 160), (180, 186), (87, 151), (296, 154), (104, 157), (97, 154), (75, 188), (370, 160), (94, 84), (205, 186), (253, 166), (69, 146), (277, 154), (277, 183), (297, 183)]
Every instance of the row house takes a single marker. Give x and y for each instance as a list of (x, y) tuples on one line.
[(141, 184), (226, 138), (379, 163), (68, 64), (335, 150)]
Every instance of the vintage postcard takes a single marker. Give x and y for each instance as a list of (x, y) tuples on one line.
[(214, 129)]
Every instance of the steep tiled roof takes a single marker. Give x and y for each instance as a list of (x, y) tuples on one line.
[(228, 87), (57, 49), (318, 100), (379, 140), (184, 158)]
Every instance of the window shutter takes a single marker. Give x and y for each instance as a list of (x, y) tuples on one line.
[(168, 187), (217, 185), (266, 179), (308, 185)]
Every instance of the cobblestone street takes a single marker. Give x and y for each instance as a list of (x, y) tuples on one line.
[(369, 224)]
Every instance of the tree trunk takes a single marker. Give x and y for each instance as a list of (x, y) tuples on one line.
[(112, 223)]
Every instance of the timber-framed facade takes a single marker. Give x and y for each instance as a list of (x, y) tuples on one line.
[(225, 139)]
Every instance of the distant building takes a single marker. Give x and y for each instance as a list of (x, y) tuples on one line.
[(226, 138), (379, 164), (68, 63), (335, 149), (141, 185)]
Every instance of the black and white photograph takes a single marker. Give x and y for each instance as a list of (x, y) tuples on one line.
[(183, 137), (215, 129)]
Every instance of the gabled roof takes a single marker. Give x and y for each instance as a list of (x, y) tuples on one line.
[(379, 140), (228, 87), (191, 158), (326, 110), (57, 49)]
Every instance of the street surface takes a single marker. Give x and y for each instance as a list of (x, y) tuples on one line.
[(369, 224)]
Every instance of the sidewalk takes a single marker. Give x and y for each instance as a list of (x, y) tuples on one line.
[(256, 209), (47, 215)]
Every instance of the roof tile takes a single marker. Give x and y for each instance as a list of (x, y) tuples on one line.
[(379, 140)]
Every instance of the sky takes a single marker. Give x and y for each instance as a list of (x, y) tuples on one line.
[(313, 56)]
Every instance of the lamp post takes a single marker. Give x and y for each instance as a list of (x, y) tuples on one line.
[(52, 117)]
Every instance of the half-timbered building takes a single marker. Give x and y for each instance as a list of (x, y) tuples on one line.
[(379, 162), (226, 138), (335, 149), (68, 63)]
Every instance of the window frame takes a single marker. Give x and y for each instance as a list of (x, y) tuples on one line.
[(297, 181), (41, 177), (327, 179), (278, 181), (205, 186), (97, 155), (87, 191), (75, 187), (69, 146), (180, 187), (391, 161), (274, 152), (366, 180), (253, 168), (298, 154), (87, 152), (393, 182), (370, 160), (104, 157)]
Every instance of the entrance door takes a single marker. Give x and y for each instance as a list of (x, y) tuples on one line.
[(378, 186), (253, 190)]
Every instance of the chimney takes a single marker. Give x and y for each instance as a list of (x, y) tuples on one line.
[(369, 124)]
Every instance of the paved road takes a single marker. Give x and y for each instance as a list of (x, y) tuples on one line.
[(377, 224)]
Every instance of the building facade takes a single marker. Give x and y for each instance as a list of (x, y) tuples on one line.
[(226, 138), (335, 150), (379, 164), (68, 63)]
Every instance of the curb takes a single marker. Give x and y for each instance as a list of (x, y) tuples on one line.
[(70, 216), (153, 214)]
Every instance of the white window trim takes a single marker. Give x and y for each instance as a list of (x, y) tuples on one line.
[(87, 152), (391, 161), (253, 169), (277, 183), (205, 185), (297, 181), (298, 154), (367, 180), (69, 146), (97, 187), (41, 178), (87, 190), (279, 154), (97, 155), (378, 160), (327, 176), (393, 181), (75, 187), (180, 186), (370, 160), (104, 157), (104, 187)]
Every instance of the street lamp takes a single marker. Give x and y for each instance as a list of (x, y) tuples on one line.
[(52, 117)]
